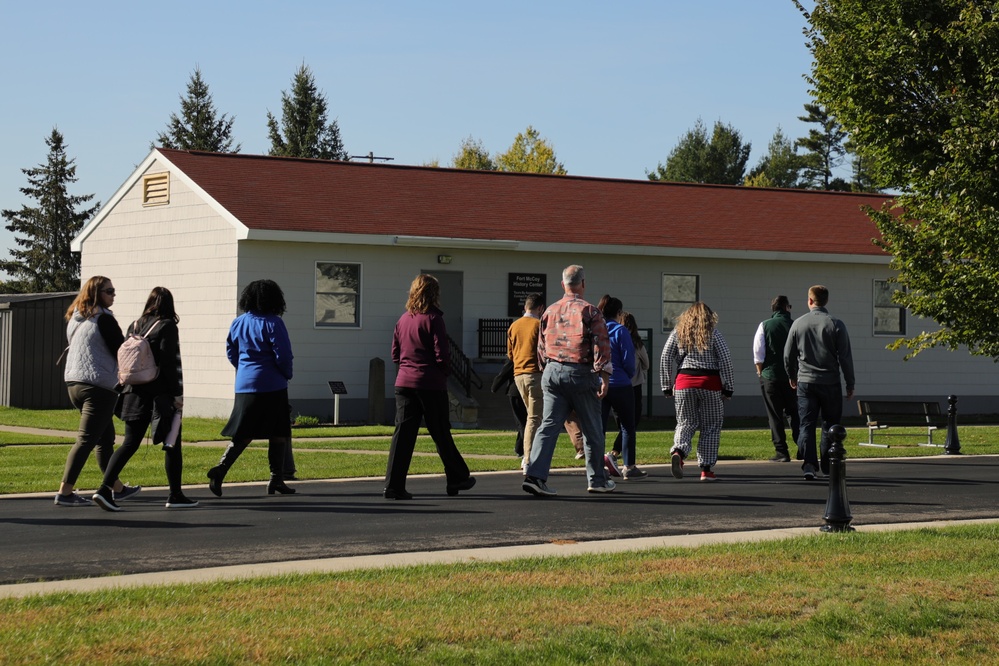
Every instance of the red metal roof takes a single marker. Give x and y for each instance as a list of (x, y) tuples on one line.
[(299, 195)]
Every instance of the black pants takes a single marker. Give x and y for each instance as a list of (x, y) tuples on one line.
[(782, 409), (411, 407), (519, 413), (135, 431)]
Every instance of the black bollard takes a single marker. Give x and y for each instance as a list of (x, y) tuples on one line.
[(837, 506), (952, 446)]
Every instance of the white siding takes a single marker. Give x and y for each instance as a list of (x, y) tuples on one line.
[(186, 247)]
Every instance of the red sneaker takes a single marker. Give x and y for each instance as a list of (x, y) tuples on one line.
[(708, 475), (611, 466), (676, 462)]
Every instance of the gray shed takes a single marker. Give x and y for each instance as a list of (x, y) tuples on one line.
[(32, 336)]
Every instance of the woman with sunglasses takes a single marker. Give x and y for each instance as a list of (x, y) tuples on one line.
[(91, 376)]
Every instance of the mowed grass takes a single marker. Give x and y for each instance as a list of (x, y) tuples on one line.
[(34, 463), (915, 597)]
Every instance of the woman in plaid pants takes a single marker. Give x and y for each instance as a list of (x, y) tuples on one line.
[(698, 355)]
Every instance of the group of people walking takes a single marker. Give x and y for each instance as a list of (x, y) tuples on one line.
[(573, 364), (258, 347)]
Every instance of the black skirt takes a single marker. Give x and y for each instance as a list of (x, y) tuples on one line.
[(259, 416)]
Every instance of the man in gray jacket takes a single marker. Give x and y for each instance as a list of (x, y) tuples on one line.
[(817, 350)]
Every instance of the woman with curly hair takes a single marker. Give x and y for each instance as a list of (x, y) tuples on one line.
[(421, 351), (700, 357), (259, 348)]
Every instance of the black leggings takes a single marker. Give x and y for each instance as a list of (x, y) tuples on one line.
[(135, 431)]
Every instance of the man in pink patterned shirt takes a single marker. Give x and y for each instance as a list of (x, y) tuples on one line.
[(575, 351)]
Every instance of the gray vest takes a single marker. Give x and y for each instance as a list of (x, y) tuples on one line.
[(89, 360)]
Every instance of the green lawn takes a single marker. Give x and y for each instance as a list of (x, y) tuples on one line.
[(34, 463), (913, 598)]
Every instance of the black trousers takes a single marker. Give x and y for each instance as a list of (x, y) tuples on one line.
[(782, 409), (411, 407), (135, 431)]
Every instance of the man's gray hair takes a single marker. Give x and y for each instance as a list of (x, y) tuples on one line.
[(573, 275)]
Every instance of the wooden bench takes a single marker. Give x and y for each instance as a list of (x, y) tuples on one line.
[(883, 414)]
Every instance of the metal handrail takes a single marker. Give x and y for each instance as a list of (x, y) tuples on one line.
[(461, 368)]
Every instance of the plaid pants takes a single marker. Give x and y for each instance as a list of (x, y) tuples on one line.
[(698, 409)]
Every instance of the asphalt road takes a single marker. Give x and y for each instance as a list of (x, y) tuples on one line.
[(347, 518)]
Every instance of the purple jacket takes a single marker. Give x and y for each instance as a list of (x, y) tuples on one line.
[(420, 350)]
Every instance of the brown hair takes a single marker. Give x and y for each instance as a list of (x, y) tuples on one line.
[(819, 294), (87, 302), (424, 293), (628, 321), (695, 327)]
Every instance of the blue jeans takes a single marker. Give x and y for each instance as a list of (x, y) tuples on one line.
[(813, 399), (568, 387)]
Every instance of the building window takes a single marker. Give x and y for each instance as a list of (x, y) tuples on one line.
[(679, 293), (338, 295), (889, 317), (156, 189)]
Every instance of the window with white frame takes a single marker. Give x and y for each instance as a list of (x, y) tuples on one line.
[(338, 294), (889, 317), (679, 293)]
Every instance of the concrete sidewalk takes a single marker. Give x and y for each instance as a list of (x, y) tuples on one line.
[(458, 556)]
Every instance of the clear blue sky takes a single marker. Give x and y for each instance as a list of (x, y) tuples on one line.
[(611, 85)]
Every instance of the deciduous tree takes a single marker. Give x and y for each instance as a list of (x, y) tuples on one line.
[(43, 261), (305, 129), (473, 155), (916, 85), (199, 127), (530, 154)]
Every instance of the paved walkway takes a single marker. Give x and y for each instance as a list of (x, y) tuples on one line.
[(343, 524)]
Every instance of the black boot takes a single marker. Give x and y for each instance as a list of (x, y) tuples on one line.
[(277, 485), (215, 476)]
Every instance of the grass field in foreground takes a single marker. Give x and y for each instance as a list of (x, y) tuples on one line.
[(915, 597)]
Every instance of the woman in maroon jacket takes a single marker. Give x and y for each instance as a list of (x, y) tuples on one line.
[(420, 351)]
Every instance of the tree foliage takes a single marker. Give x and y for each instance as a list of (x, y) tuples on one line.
[(473, 155), (199, 127), (43, 261), (780, 167), (697, 159), (916, 85), (305, 130), (824, 148), (530, 154)]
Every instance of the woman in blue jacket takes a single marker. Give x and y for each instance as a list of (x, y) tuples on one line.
[(259, 348), (620, 394)]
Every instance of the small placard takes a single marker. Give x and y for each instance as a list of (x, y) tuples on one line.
[(338, 388)]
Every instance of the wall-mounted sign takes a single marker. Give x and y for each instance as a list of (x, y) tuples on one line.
[(521, 285)]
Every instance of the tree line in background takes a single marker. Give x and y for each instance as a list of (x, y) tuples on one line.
[(907, 92)]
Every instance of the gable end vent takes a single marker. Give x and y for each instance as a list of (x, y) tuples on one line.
[(156, 189)]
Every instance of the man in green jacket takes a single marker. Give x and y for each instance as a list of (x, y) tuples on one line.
[(778, 396)]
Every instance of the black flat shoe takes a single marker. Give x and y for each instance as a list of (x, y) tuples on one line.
[(464, 485), (279, 486), (215, 476), (393, 494)]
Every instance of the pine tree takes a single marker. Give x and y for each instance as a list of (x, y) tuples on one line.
[(304, 130), (199, 126), (44, 261), (696, 159), (825, 149)]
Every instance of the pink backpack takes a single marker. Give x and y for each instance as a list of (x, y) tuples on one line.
[(136, 363)]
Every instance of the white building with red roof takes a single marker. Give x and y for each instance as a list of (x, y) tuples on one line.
[(344, 241)]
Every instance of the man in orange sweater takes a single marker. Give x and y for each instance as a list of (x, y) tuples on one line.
[(522, 349)]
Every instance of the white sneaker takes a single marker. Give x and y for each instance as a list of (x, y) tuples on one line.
[(609, 488)]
